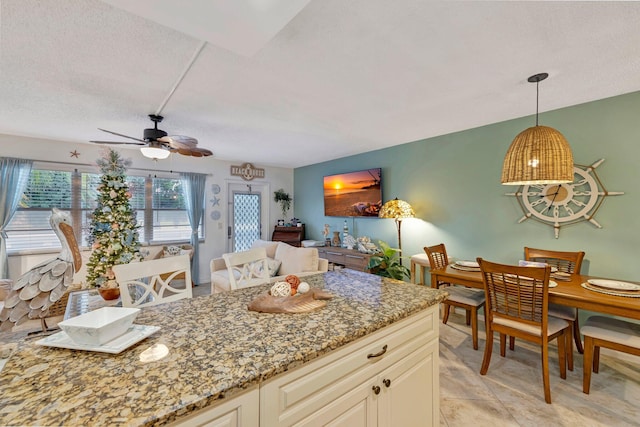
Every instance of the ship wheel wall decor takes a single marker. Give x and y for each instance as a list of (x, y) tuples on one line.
[(564, 204)]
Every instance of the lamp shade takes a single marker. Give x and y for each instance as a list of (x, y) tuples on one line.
[(155, 152), (396, 209), (538, 155)]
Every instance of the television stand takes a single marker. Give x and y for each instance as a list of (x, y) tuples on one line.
[(349, 258)]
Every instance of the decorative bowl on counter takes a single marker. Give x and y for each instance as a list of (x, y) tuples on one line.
[(99, 326)]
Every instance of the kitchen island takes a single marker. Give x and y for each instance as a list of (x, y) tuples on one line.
[(218, 352)]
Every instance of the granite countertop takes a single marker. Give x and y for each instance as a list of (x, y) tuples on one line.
[(217, 348)]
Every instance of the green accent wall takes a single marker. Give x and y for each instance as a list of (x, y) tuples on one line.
[(453, 183)]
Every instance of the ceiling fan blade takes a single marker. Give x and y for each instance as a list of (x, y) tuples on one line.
[(119, 143), (184, 151), (201, 152), (124, 136), (179, 141)]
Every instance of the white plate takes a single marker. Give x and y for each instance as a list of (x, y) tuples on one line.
[(614, 284), (468, 263), (134, 335), (552, 284)]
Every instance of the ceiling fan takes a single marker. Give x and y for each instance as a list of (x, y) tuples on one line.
[(156, 144)]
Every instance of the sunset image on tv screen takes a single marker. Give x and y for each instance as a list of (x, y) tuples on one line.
[(353, 194)]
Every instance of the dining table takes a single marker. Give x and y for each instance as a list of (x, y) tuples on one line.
[(569, 292)]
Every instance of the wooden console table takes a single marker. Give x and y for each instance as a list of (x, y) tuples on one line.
[(291, 235), (350, 258)]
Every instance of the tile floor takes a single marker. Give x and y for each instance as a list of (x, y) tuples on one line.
[(511, 393)]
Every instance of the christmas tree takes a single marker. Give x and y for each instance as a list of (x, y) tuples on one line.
[(114, 233)]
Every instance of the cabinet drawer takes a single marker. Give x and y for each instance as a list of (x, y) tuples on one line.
[(349, 258), (356, 262), (334, 257), (289, 398)]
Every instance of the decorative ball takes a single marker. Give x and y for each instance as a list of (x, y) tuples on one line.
[(294, 281), (303, 287), (281, 289)]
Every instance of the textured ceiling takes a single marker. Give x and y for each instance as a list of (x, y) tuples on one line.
[(291, 83)]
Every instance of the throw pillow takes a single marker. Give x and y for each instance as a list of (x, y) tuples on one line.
[(171, 251), (272, 264), (269, 246), (296, 260)]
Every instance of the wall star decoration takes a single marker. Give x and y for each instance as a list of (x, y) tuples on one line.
[(564, 204), (75, 153), (215, 201)]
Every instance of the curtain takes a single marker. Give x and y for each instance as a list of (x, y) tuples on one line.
[(14, 176), (193, 188)]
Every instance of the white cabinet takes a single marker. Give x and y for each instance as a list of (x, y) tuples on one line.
[(407, 390), (388, 378), (238, 411)]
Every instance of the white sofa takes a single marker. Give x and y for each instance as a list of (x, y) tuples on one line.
[(284, 259)]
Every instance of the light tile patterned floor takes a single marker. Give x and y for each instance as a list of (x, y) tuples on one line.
[(511, 393)]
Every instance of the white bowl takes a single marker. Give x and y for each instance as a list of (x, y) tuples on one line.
[(99, 326)]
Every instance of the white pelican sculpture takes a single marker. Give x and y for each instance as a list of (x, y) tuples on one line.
[(36, 290)]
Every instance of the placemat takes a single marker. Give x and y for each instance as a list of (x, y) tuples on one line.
[(630, 294), (463, 268)]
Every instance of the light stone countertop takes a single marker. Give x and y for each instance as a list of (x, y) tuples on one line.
[(217, 348)]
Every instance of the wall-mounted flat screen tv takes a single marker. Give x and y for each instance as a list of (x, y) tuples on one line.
[(353, 194)]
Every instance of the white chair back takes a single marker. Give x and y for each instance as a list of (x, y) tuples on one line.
[(149, 283), (248, 268)]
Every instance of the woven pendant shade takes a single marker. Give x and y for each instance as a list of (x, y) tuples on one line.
[(538, 155)]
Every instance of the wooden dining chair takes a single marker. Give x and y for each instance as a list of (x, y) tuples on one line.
[(565, 262), (153, 282), (608, 332), (517, 305), (247, 268), (459, 296)]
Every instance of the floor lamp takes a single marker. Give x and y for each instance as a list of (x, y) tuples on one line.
[(398, 210)]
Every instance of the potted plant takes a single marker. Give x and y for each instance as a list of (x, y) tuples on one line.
[(387, 263), (281, 197)]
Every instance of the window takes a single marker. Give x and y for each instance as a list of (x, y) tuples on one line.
[(158, 203)]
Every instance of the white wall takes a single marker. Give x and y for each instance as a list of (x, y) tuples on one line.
[(216, 231)]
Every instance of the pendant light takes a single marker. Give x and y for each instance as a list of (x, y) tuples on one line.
[(539, 154)]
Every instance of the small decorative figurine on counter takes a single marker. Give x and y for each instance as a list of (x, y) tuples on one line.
[(325, 232)]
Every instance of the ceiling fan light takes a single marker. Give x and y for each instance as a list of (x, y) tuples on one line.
[(155, 153), (538, 155)]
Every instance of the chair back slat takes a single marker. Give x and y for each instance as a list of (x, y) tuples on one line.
[(438, 258), (566, 262), (516, 293), (437, 255)]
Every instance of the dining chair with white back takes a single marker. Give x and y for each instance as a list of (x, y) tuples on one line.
[(153, 282), (247, 268)]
